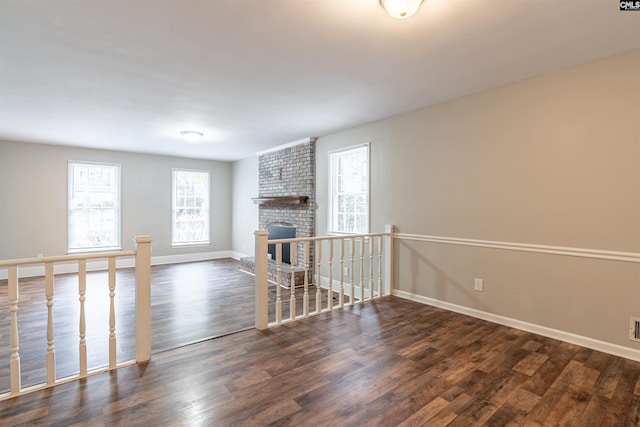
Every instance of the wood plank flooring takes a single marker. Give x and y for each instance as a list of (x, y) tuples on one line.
[(190, 302), (387, 363)]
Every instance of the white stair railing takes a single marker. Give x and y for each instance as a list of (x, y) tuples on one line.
[(142, 256), (347, 270)]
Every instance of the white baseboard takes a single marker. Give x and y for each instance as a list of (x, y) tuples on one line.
[(101, 265), (238, 255), (324, 284), (605, 347), (68, 267), (200, 256)]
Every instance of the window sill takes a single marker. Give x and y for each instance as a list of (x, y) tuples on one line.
[(93, 250)]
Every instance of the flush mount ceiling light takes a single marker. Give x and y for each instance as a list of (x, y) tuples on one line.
[(401, 9), (191, 136)]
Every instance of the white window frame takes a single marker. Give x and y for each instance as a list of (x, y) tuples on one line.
[(333, 222), (72, 246), (174, 209)]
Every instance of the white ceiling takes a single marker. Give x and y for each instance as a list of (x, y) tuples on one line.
[(253, 74)]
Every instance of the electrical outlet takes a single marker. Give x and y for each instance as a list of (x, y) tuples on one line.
[(346, 271), (40, 256), (634, 329), (478, 285)]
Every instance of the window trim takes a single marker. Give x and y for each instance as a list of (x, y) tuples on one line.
[(175, 244), (333, 183), (118, 208)]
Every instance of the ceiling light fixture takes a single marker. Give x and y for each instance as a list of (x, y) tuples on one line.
[(191, 136), (401, 9)]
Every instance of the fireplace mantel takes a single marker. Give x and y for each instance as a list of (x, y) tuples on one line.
[(281, 200)]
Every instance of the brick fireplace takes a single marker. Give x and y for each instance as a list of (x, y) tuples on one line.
[(287, 195)]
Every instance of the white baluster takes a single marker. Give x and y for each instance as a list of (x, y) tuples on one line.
[(380, 240), (51, 353), (82, 290), (330, 296), (112, 313), (278, 283), (305, 299), (362, 270), (351, 272), (342, 272), (371, 244), (292, 288), (14, 363), (318, 294)]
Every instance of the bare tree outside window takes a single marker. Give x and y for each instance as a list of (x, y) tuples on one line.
[(349, 190), (94, 206), (190, 225)]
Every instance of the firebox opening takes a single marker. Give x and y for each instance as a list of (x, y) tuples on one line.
[(281, 232)]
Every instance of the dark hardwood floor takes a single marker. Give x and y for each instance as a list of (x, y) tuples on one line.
[(390, 362), (190, 302)]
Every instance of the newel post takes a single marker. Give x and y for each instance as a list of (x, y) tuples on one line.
[(261, 238), (143, 298), (388, 259)]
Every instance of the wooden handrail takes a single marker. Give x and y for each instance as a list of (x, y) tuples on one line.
[(331, 237), (66, 258)]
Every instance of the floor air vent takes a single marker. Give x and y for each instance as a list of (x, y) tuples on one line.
[(634, 329)]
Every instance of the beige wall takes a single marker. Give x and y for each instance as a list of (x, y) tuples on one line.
[(3, 202), (33, 198), (245, 212), (549, 161)]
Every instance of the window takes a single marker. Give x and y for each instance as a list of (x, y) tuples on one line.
[(94, 206), (349, 190), (190, 224)]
